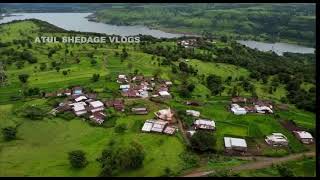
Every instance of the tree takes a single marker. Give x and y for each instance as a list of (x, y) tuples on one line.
[(130, 66), (9, 133), (95, 77), (119, 158), (23, 78), (43, 66), (77, 159), (214, 84), (3, 76), (64, 72), (284, 171), (203, 141)]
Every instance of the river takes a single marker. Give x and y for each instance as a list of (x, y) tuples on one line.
[(79, 22), (278, 48)]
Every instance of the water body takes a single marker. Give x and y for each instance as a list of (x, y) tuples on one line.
[(79, 22), (278, 48)]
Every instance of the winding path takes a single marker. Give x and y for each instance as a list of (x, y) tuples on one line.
[(261, 162)]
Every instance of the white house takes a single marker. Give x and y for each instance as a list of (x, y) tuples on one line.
[(277, 139), (96, 106), (80, 98), (164, 93), (124, 87), (193, 113), (263, 109), (304, 137), (237, 110), (235, 144), (204, 124)]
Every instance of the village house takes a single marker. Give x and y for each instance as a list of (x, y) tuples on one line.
[(159, 126), (67, 92), (122, 79), (187, 43), (140, 110), (77, 90), (124, 87), (117, 104), (131, 93), (263, 109), (165, 94), (250, 109), (192, 103), (168, 83), (96, 106), (237, 110), (97, 117), (204, 124), (235, 144), (304, 137), (165, 114), (79, 108), (193, 113), (80, 98), (277, 139)]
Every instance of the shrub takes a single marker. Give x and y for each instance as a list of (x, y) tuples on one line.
[(9, 133), (77, 159)]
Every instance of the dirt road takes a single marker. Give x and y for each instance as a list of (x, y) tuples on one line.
[(261, 162)]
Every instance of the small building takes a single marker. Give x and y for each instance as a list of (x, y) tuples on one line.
[(192, 103), (237, 110), (165, 114), (122, 79), (164, 94), (277, 139), (193, 113), (131, 93), (250, 109), (204, 124), (96, 106), (77, 90), (79, 108), (147, 126), (304, 137), (80, 98), (140, 110), (168, 83), (263, 109), (124, 87), (158, 126), (98, 117), (236, 144), (117, 104), (67, 92), (169, 130)]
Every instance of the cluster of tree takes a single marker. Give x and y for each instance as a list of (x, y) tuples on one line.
[(120, 158), (203, 141), (33, 113), (214, 84)]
